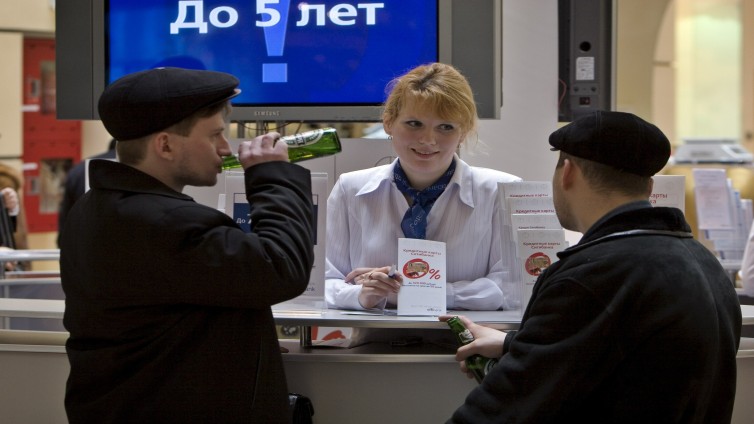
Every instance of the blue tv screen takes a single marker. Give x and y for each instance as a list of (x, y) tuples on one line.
[(284, 52)]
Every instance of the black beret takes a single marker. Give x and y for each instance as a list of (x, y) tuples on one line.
[(618, 139), (146, 102)]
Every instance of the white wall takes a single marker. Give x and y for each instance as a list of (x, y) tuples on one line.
[(517, 143)]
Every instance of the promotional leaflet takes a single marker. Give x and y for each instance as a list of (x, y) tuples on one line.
[(713, 199), (723, 217), (422, 264), (521, 189), (526, 189), (537, 250), (669, 191), (530, 205), (521, 199), (540, 221)]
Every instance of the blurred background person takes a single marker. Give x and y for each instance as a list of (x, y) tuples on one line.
[(11, 207), (10, 178)]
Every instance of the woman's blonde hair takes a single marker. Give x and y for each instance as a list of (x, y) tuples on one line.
[(438, 87)]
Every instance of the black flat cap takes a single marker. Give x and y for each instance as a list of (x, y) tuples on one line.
[(618, 139), (146, 102)]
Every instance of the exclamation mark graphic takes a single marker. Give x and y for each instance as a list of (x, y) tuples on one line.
[(274, 37)]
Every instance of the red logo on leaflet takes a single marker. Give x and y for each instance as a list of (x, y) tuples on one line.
[(416, 268), (537, 263)]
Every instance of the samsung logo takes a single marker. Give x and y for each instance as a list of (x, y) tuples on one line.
[(267, 113)]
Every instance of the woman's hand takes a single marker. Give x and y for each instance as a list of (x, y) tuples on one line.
[(376, 286)]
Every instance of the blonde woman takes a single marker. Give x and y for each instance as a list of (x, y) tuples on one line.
[(427, 192)]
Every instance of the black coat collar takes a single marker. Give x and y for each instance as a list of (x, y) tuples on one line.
[(633, 219)]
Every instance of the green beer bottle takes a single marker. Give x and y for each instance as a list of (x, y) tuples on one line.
[(307, 145), (477, 364)]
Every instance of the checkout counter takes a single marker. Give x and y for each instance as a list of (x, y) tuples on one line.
[(372, 383)]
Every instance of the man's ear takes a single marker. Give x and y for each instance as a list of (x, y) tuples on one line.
[(162, 145), (568, 174)]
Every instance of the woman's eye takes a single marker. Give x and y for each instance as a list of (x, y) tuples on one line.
[(447, 127), (414, 124)]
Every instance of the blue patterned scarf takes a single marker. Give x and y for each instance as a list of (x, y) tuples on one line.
[(414, 224)]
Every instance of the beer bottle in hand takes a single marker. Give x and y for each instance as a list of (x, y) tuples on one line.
[(477, 364), (307, 145)]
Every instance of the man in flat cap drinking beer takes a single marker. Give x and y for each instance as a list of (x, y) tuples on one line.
[(168, 301)]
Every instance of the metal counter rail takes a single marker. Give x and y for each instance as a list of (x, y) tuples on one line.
[(373, 352), (13, 278), (501, 320), (32, 308), (30, 277), (43, 308), (305, 319), (30, 255)]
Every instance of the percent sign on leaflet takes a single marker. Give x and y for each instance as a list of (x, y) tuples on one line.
[(434, 274)]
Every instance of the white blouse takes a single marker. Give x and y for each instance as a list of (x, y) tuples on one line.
[(364, 213)]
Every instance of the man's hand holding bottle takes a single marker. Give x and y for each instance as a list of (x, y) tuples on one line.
[(262, 149)]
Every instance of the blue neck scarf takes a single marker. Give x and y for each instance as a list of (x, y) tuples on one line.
[(414, 224)]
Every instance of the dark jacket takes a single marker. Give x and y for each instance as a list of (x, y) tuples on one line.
[(168, 301), (75, 185), (637, 323)]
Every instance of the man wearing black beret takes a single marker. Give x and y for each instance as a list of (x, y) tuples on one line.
[(168, 301), (637, 323)]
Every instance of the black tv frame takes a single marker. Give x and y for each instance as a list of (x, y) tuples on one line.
[(81, 77)]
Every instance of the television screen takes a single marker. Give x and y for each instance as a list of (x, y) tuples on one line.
[(284, 52), (324, 61)]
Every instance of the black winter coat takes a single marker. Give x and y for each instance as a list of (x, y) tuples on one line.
[(637, 323), (168, 301)]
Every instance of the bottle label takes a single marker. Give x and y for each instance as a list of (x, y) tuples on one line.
[(303, 139), (465, 336)]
